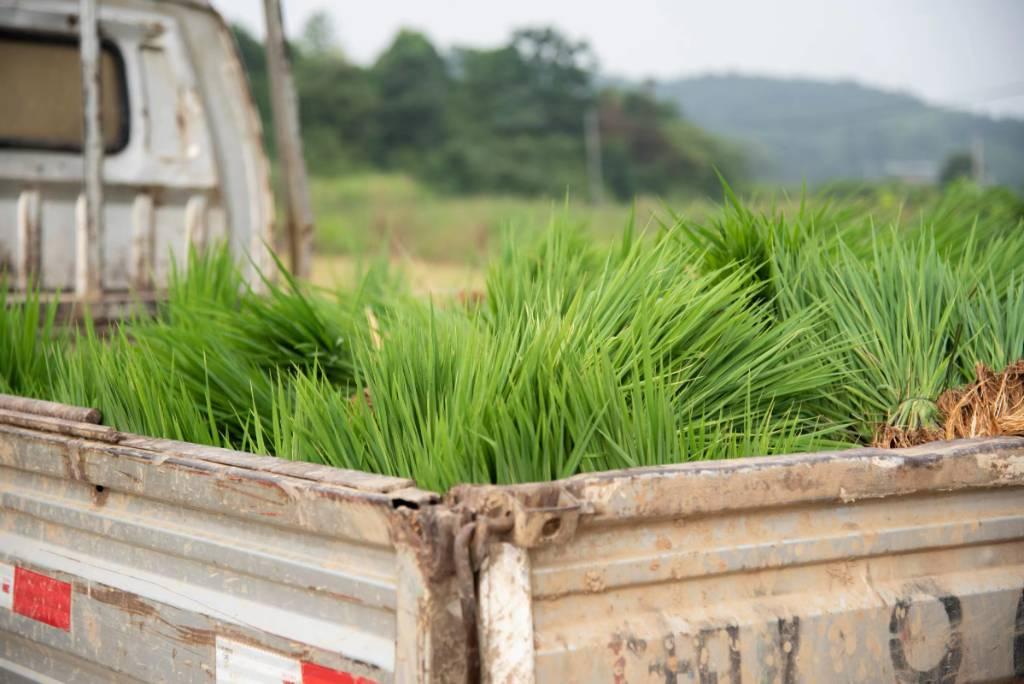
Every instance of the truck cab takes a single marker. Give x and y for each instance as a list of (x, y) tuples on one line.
[(183, 162)]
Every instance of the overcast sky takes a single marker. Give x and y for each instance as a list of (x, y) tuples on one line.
[(964, 53)]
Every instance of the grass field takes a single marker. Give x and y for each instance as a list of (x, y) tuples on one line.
[(393, 214), (442, 243)]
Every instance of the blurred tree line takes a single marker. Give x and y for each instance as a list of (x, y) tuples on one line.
[(508, 119)]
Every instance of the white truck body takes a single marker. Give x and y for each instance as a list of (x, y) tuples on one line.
[(184, 162), (130, 559)]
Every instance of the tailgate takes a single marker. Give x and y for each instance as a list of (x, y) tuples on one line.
[(866, 566), (125, 558)]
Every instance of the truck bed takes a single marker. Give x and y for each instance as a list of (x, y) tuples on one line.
[(130, 559)]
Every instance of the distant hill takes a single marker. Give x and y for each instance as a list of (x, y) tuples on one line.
[(817, 131)]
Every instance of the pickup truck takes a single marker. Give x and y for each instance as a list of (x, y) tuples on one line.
[(125, 558)]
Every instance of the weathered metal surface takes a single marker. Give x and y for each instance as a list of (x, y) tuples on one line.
[(28, 239), (141, 255), (52, 409), (170, 549), (863, 566), (431, 645), (193, 168), (124, 558), (366, 482), (196, 229), (506, 625), (100, 433)]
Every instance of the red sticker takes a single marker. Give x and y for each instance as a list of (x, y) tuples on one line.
[(318, 674), (42, 598)]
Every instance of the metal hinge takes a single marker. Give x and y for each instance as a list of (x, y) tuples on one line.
[(493, 514)]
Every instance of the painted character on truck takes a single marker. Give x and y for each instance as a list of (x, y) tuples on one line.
[(671, 667)]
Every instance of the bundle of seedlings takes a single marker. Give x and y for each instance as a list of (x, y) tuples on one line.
[(759, 333), (914, 306)]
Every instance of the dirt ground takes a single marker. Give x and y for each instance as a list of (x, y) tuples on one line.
[(424, 277)]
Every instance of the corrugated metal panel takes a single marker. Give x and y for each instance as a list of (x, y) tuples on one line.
[(863, 566), (166, 548)]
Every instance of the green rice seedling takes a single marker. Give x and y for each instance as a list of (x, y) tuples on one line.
[(289, 328), (624, 358), (27, 337), (645, 300), (900, 313), (760, 333), (899, 297), (740, 238), (180, 374), (551, 379), (134, 390), (979, 226), (560, 261), (991, 212), (219, 354), (209, 278), (994, 327)]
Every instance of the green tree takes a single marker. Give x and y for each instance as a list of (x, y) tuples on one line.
[(519, 111), (560, 76), (541, 82), (337, 107), (508, 119), (318, 34), (411, 82), (254, 61), (957, 165), (648, 147)]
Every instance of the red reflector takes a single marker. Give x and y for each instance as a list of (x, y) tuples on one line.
[(318, 674), (42, 598)]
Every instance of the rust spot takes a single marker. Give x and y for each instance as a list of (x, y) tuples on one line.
[(73, 463), (227, 484), (131, 477), (842, 573), (268, 483), (122, 600), (181, 118), (338, 596), (593, 581), (797, 482), (429, 535), (99, 495), (192, 467), (663, 543), (195, 637), (352, 496), (924, 462)]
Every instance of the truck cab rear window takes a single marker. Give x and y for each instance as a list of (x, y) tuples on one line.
[(41, 83)]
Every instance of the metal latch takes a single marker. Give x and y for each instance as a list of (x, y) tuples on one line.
[(499, 514)]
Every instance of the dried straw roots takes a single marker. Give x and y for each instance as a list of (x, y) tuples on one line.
[(992, 405)]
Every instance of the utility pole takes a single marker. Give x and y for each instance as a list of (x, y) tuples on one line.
[(978, 156), (283, 103), (592, 141), (89, 211)]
